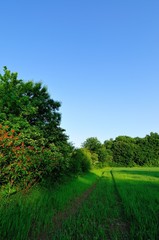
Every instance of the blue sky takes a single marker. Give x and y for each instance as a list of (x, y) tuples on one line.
[(99, 58)]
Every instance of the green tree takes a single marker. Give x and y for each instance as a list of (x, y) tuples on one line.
[(108, 144), (92, 144), (81, 160), (28, 105), (97, 149), (123, 153), (148, 149), (39, 147)]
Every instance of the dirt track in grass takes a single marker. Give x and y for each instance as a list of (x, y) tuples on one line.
[(70, 210), (117, 224)]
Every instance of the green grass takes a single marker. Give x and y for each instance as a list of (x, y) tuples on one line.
[(23, 216), (98, 218), (124, 204), (138, 188)]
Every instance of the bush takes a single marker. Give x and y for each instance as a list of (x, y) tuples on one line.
[(81, 161), (23, 165)]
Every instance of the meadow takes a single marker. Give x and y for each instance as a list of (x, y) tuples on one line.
[(109, 203)]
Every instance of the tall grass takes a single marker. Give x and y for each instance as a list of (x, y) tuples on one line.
[(24, 215), (124, 204), (138, 188), (99, 216)]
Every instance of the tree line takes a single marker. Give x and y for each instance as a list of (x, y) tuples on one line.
[(34, 147), (125, 151)]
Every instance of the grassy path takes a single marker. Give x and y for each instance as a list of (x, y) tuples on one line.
[(121, 223), (104, 204), (23, 216), (63, 215), (100, 216)]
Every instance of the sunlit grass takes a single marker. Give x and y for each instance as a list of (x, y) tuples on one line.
[(99, 216), (123, 205), (138, 189), (23, 216)]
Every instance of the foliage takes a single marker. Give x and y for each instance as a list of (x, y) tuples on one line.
[(98, 152), (124, 151), (129, 151), (33, 146), (81, 160), (22, 164), (28, 104), (92, 144)]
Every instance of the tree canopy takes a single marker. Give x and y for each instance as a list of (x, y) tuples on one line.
[(28, 105)]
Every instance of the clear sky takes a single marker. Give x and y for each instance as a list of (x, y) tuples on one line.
[(99, 58)]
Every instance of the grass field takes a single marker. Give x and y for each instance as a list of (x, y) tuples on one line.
[(118, 203)]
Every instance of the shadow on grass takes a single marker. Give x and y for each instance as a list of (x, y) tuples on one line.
[(28, 216), (139, 192), (148, 172), (116, 210), (23, 216)]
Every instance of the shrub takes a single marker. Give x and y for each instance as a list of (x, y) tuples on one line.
[(81, 161), (23, 165)]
